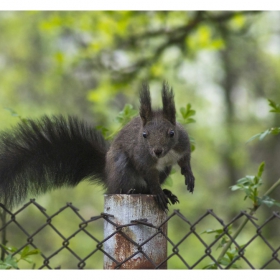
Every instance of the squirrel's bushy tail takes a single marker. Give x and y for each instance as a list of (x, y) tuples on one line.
[(48, 153)]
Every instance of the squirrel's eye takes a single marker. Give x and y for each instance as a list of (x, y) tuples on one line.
[(144, 134), (171, 133)]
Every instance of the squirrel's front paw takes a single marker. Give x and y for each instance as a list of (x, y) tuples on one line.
[(189, 181), (173, 198)]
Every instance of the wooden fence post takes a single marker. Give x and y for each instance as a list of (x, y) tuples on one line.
[(142, 217)]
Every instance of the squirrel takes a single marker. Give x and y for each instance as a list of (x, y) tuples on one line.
[(51, 152)]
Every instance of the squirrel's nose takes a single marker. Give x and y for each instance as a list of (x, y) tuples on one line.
[(158, 152)]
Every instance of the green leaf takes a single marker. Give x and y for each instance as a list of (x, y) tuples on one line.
[(218, 233), (10, 262), (268, 201), (10, 249), (104, 131), (192, 141), (186, 121), (261, 169), (236, 187), (126, 114), (275, 107), (246, 181), (186, 113), (224, 241), (27, 252), (264, 134), (192, 147), (248, 192), (34, 252), (274, 130), (250, 184), (224, 261), (212, 265), (253, 137), (4, 265), (24, 252), (209, 231)]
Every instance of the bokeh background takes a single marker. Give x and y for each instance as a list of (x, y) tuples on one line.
[(226, 64)]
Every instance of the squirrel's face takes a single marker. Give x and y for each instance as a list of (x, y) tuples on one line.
[(159, 136)]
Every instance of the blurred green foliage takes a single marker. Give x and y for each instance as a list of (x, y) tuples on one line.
[(12, 261), (91, 64)]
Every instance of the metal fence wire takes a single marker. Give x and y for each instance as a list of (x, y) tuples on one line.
[(193, 245)]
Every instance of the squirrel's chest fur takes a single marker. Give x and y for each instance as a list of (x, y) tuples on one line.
[(169, 159)]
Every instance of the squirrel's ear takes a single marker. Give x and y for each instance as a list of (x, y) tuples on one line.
[(145, 104), (169, 110)]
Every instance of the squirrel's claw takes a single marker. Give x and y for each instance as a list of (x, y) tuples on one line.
[(162, 201)]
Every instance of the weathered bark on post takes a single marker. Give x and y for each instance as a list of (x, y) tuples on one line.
[(142, 217)]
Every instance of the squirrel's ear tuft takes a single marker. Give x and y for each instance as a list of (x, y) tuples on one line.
[(169, 110), (145, 111)]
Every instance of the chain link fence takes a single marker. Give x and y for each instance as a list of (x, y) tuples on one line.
[(191, 245)]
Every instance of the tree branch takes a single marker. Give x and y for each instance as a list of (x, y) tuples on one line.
[(175, 36)]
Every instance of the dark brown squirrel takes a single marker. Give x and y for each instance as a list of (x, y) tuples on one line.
[(52, 152)]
